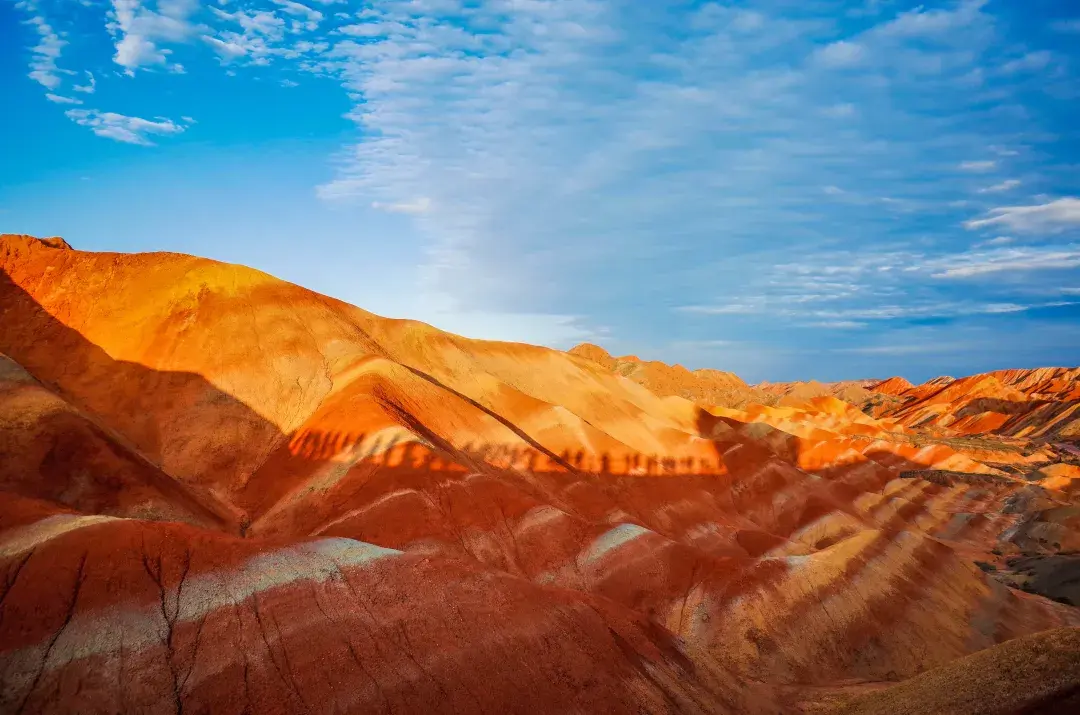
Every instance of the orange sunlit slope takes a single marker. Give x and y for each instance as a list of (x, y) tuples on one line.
[(222, 492)]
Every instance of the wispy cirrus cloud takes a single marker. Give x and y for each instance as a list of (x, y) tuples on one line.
[(60, 99), (1007, 185), (978, 166), (842, 171), (1006, 260), (858, 317), (1051, 217), (43, 65), (709, 120), (130, 130), (417, 206)]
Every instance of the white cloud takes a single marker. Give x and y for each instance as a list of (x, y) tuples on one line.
[(58, 99), (264, 36), (300, 10), (536, 143), (978, 166), (1006, 185), (416, 206), (998, 241), (363, 29), (130, 130), (46, 52), (837, 324), (139, 30), (226, 50), (726, 309), (87, 88), (1007, 260), (921, 23), (857, 317), (841, 54), (1050, 217), (1030, 62)]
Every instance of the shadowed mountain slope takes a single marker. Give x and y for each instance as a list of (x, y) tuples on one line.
[(224, 492), (1034, 675)]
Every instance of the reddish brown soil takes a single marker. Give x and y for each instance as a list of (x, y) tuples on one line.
[(1041, 404), (220, 492), (1034, 675)]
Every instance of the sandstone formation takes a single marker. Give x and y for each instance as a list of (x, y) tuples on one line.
[(1042, 404), (710, 387), (223, 492), (793, 393), (1036, 675)]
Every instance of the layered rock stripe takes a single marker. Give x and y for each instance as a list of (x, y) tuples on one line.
[(223, 492)]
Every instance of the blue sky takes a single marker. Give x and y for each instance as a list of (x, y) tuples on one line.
[(789, 189)]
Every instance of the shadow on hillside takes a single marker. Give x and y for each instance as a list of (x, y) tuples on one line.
[(321, 445), (343, 462), (155, 416), (998, 406), (167, 417), (729, 439)]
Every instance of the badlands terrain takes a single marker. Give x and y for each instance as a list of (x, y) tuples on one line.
[(225, 493)]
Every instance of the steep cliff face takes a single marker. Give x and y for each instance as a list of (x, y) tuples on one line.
[(223, 492)]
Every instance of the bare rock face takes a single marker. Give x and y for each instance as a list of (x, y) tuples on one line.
[(220, 492), (1037, 674), (1041, 403), (56, 242), (596, 354), (893, 386), (707, 387)]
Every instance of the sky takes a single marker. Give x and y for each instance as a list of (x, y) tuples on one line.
[(788, 189)]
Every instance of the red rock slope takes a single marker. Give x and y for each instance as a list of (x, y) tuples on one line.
[(222, 492), (1035, 675), (1041, 403), (793, 393), (709, 387)]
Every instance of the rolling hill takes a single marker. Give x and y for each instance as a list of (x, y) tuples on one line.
[(224, 492)]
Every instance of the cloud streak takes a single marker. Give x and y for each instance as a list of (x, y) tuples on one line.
[(1053, 216), (835, 171), (129, 130), (43, 67)]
